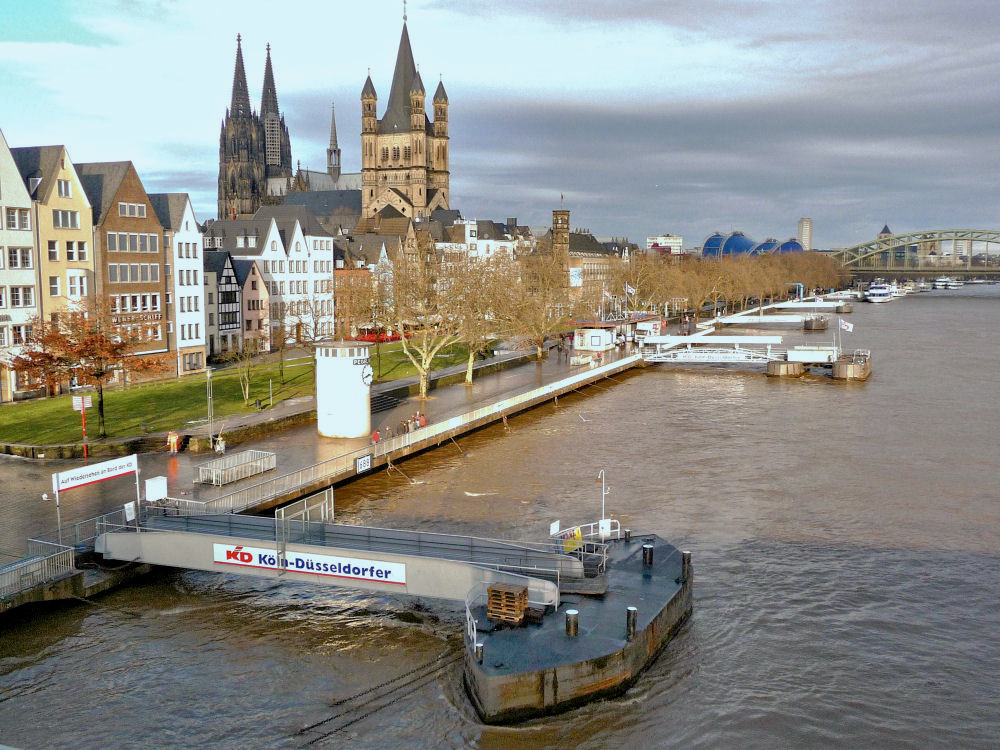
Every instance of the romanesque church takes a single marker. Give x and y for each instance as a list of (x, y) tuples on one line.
[(404, 155)]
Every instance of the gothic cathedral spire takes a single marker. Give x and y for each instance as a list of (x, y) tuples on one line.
[(277, 144), (240, 106), (269, 96)]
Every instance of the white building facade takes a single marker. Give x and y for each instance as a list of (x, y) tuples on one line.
[(18, 272)]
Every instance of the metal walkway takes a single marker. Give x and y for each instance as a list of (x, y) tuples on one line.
[(293, 547), (703, 348)]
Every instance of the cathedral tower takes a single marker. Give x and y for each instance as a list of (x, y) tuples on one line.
[(404, 157), (278, 148), (333, 153), (241, 151)]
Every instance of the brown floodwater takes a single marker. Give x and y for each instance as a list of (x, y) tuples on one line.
[(845, 538)]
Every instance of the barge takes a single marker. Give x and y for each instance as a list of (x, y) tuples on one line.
[(595, 643)]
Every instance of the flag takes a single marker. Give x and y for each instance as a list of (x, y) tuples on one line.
[(608, 295), (629, 289), (845, 326)]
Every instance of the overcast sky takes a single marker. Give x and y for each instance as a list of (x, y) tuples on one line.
[(649, 117)]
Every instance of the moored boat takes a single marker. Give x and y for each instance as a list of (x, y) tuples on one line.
[(878, 291)]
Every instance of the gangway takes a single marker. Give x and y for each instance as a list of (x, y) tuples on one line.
[(703, 348), (395, 561)]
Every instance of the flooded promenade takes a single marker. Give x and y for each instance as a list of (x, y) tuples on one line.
[(847, 540)]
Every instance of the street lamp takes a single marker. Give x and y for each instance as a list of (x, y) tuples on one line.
[(45, 496), (211, 413), (604, 492)]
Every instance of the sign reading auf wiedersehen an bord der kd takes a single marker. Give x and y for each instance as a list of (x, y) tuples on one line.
[(303, 562), (116, 467)]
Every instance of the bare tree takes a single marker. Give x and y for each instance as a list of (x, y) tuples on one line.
[(89, 343)]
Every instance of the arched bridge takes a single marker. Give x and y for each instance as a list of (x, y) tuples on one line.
[(951, 252)]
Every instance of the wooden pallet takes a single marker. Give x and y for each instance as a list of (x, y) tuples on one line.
[(507, 602)]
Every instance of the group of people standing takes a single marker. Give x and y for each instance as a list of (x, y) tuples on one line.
[(410, 424)]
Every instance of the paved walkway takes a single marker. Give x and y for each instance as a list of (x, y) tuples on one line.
[(296, 447)]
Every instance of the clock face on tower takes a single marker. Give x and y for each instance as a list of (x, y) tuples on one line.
[(366, 374)]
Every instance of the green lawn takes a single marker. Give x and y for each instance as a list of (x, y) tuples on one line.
[(180, 403)]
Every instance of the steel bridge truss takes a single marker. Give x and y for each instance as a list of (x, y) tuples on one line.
[(897, 252)]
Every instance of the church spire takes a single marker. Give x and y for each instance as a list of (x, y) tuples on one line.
[(269, 96), (397, 113), (333, 153), (240, 106)]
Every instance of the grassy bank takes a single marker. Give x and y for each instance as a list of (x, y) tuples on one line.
[(182, 403)]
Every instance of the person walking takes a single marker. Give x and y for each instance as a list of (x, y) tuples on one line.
[(375, 437)]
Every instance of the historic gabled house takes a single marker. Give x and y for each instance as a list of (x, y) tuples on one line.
[(222, 303), (131, 261), (185, 288), (404, 155), (18, 272)]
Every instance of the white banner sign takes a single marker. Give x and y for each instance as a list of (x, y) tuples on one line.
[(320, 565), (116, 467), (81, 401)]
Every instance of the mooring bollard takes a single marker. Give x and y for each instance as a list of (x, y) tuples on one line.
[(479, 653), (685, 564), (572, 622), (631, 617), (628, 535), (647, 554)]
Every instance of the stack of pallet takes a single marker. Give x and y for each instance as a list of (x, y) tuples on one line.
[(507, 602)]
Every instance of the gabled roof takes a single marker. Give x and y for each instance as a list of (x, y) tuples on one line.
[(214, 261), (101, 180), (368, 247), (586, 244), (397, 113), (886, 230), (324, 203), (447, 216), (290, 213), (230, 229), (40, 162), (242, 270), (169, 208)]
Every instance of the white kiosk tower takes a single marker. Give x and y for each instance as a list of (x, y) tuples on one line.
[(343, 389)]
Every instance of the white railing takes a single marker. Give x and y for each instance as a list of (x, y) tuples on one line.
[(478, 596), (344, 464), (45, 562), (706, 354), (236, 466)]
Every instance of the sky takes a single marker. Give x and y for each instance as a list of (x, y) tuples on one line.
[(644, 118)]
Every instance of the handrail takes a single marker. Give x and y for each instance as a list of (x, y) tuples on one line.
[(46, 561), (247, 497)]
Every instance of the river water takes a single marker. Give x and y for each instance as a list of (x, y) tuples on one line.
[(845, 540)]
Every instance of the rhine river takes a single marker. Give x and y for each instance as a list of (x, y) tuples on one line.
[(845, 540)]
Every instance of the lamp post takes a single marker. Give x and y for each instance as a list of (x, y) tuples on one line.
[(604, 492), (45, 496), (211, 413)]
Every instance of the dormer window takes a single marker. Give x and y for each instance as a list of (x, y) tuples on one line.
[(33, 183), (239, 241), (252, 241)]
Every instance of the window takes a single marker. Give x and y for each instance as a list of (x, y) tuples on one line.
[(133, 243), (385, 153), (22, 296), (113, 273), (166, 240), (77, 285), (395, 153), (3, 297), (65, 188), (253, 285), (210, 298), (53, 250), (169, 298), (3, 336), (406, 153), (249, 324), (154, 243), (18, 218), (65, 219), (53, 286), (143, 243), (21, 334), (19, 257), (211, 319), (132, 209), (155, 303), (81, 251)]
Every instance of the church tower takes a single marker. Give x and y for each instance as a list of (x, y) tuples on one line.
[(242, 183), (333, 153), (404, 156), (278, 147)]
